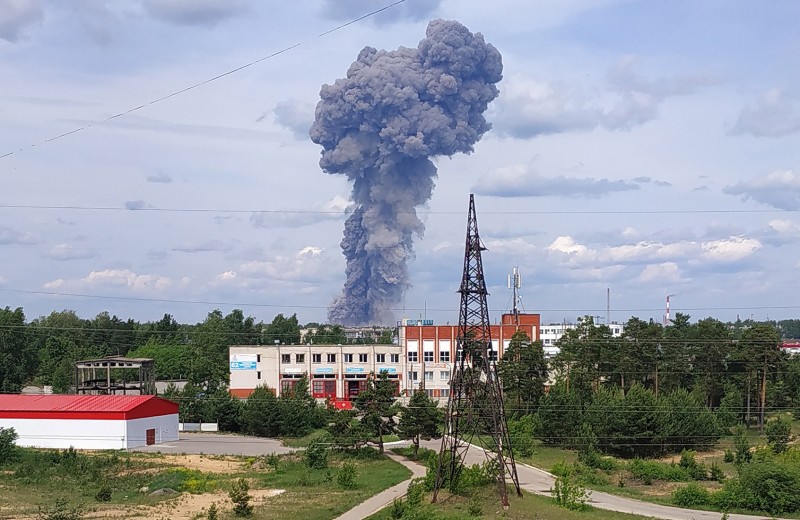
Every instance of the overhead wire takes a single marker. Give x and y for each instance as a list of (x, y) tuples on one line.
[(204, 82)]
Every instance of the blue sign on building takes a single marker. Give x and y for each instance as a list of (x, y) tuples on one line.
[(354, 370), (323, 370), (390, 370), (243, 365)]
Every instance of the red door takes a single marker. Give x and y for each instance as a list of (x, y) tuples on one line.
[(150, 436)]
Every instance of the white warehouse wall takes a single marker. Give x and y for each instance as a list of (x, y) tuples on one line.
[(85, 434), (166, 427)]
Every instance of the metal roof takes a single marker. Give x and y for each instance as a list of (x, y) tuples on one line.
[(72, 403)]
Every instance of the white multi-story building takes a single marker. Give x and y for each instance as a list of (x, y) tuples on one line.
[(335, 372), (551, 333)]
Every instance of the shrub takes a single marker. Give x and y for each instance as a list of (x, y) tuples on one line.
[(770, 487), (691, 495), (779, 433), (716, 472), (742, 445), (212, 512), (729, 456), (415, 493), (474, 508), (8, 449), (240, 496), (316, 456), (647, 471), (397, 510), (569, 493), (103, 494), (696, 470), (346, 477)]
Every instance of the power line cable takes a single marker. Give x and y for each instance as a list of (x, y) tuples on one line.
[(204, 82), (420, 212)]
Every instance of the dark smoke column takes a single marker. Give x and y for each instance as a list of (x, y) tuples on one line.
[(380, 126)]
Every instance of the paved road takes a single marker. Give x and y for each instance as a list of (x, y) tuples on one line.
[(538, 481), (384, 498), (220, 444)]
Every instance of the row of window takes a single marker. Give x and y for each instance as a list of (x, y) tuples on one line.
[(444, 375), (444, 356), (286, 359)]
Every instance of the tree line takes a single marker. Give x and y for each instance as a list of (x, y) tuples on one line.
[(43, 351)]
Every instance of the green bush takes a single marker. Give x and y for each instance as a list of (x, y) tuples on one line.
[(346, 477), (716, 472), (696, 470), (779, 434), (8, 449), (729, 456), (316, 455), (647, 471), (103, 494), (212, 512), (240, 496), (770, 487), (691, 495), (569, 493), (582, 473)]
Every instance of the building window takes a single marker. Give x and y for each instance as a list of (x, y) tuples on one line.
[(362, 358), (427, 356), (429, 391), (492, 355), (258, 358), (412, 357), (258, 375), (286, 359), (300, 358), (444, 356), (348, 358), (323, 389), (412, 375), (459, 354), (444, 392), (428, 375), (444, 375), (380, 358), (316, 358), (331, 358), (394, 358), (287, 386)]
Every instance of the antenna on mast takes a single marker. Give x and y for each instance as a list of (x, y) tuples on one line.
[(515, 283)]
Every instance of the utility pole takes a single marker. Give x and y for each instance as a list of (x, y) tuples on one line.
[(475, 405)]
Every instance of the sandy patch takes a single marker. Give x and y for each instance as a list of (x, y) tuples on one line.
[(184, 506), (205, 463)]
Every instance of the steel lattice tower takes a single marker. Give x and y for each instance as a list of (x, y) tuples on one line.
[(475, 406)]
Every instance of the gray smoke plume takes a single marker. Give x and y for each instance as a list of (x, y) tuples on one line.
[(380, 126)]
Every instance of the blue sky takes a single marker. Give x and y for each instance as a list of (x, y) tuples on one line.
[(646, 147)]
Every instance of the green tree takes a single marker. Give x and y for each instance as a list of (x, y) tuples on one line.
[(282, 330), (299, 412), (779, 434), (17, 360), (375, 407), (730, 407), (559, 416), (760, 348), (261, 413), (419, 420), (523, 372)]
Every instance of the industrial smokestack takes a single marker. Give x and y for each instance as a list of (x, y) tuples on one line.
[(381, 126)]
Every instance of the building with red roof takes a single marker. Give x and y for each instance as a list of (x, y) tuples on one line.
[(91, 422)]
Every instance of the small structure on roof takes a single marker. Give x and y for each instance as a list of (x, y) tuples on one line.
[(92, 422), (114, 375)]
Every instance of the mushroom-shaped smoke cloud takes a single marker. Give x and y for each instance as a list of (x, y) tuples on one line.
[(380, 126)]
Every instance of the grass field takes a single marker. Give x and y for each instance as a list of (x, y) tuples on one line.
[(281, 487)]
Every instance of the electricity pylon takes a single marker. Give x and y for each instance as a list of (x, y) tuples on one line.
[(475, 405)]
